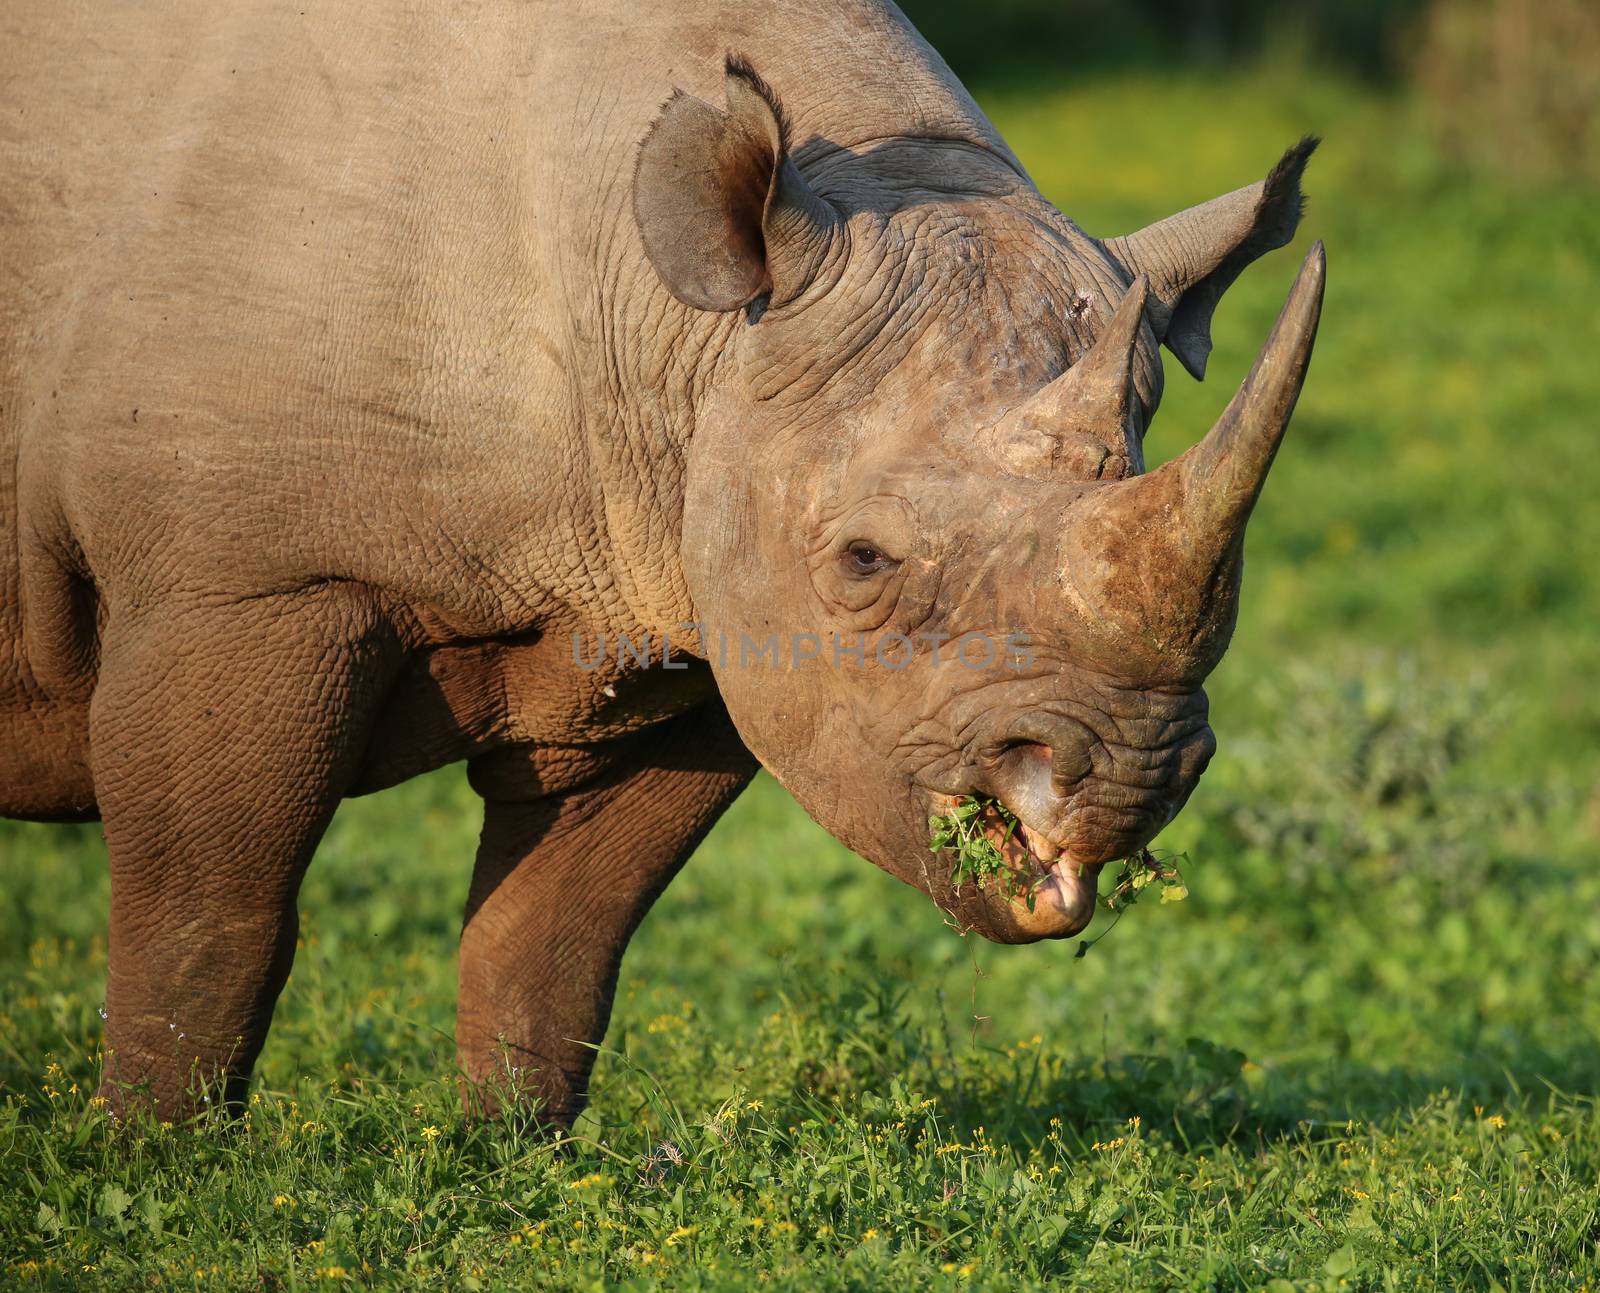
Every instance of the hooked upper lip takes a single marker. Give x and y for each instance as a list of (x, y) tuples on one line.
[(1050, 895), (1042, 847), (1056, 896)]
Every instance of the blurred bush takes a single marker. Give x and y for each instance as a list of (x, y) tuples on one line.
[(1001, 35), (1509, 85), (1515, 84)]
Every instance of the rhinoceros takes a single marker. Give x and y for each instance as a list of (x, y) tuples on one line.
[(368, 373)]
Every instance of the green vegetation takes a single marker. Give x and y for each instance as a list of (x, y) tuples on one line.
[(1138, 873), (974, 856), (1364, 1055)]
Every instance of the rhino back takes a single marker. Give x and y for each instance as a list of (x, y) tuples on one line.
[(353, 292)]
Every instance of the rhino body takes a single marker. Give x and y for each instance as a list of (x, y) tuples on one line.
[(355, 361)]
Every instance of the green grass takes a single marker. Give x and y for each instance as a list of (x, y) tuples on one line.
[(1365, 1053)]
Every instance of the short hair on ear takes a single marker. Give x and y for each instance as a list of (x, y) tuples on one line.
[(1193, 257), (723, 213)]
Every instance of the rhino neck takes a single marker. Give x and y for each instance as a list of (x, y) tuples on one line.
[(877, 118), (648, 399)]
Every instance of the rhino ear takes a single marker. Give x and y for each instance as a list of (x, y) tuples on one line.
[(724, 214), (1193, 257)]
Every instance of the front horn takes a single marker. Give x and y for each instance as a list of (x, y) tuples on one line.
[(1224, 473), (1156, 560)]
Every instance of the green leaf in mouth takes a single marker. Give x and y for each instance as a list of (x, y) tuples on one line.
[(974, 855)]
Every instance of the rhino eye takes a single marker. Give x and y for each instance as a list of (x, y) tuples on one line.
[(863, 557)]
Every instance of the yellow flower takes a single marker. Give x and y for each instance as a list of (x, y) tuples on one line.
[(870, 1235), (431, 1133), (283, 1201), (682, 1232), (753, 1104), (1495, 1121)]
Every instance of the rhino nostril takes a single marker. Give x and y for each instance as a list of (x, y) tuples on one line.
[(1035, 750), (1036, 764), (1061, 765)]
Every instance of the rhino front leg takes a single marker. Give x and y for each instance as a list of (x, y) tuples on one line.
[(563, 878), (222, 738)]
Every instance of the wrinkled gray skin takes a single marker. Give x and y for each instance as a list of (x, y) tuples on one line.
[(354, 358)]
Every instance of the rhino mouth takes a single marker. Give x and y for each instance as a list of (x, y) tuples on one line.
[(1046, 893)]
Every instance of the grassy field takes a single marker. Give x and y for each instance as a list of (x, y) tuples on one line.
[(1363, 1055)]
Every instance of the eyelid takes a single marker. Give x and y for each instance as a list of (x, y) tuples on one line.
[(861, 541), (865, 519), (883, 560)]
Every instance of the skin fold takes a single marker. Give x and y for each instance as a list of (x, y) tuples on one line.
[(356, 361)]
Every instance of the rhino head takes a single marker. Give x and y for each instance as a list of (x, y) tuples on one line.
[(921, 543)]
